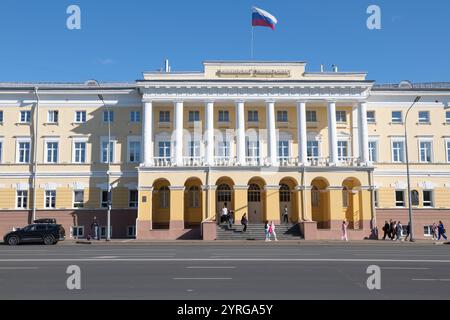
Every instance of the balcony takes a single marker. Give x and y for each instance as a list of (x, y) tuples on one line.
[(193, 161), (288, 162), (225, 161)]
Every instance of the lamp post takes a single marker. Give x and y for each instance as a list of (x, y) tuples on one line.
[(411, 228)]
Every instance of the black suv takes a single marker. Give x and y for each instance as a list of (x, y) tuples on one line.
[(47, 233)]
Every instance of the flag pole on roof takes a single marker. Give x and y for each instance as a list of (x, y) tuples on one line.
[(261, 18)]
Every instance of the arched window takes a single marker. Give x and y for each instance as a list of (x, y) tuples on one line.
[(224, 193), (345, 197), (254, 193), (164, 197), (415, 197), (285, 193), (194, 197), (315, 197)]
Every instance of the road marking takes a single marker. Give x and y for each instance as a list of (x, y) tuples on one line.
[(19, 268), (401, 268), (434, 280), (210, 267), (202, 278)]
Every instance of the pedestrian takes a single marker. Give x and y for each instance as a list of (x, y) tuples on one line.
[(394, 230), (272, 231), (95, 229), (434, 232), (391, 229), (266, 231), (286, 215), (399, 231), (441, 231), (230, 219), (344, 230), (386, 229), (244, 222), (224, 214), (408, 231)]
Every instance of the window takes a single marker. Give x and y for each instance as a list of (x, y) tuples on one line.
[(194, 149), (50, 199), (447, 117), (77, 232), (164, 197), (52, 152), (341, 116), (282, 116), (283, 150), (254, 193), (224, 116), (424, 117), (428, 199), (25, 116), (134, 199), (53, 116), (78, 199), (194, 197), (426, 151), (224, 149), (164, 149), (194, 116), (79, 152), (108, 116), (315, 197), (131, 231), (253, 116), (400, 198), (106, 200), (448, 150), (342, 150), (345, 197), (1, 151), (1, 116), (397, 117), (105, 157), (376, 199), (80, 117), (135, 116), (22, 199), (23, 152), (398, 151), (285, 193), (134, 151), (371, 117), (253, 149), (224, 193), (164, 116), (415, 198), (311, 116), (428, 231), (313, 150), (373, 151), (103, 232)]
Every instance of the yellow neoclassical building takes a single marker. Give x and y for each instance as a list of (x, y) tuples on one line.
[(259, 138)]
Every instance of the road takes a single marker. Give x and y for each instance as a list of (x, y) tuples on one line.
[(226, 272)]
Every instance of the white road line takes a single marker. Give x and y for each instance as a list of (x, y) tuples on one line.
[(434, 280), (210, 267), (202, 278), (401, 268), (19, 268)]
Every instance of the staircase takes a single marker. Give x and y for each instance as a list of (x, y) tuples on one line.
[(256, 232)]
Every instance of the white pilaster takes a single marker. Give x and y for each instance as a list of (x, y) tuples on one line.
[(302, 133), (271, 132), (240, 134), (355, 132), (332, 133), (363, 132), (179, 133), (209, 141), (147, 133)]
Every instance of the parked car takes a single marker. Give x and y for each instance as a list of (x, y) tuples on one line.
[(46, 233)]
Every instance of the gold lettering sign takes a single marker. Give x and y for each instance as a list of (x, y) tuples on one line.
[(254, 73)]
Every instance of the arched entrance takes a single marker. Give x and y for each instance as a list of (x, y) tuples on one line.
[(351, 203), (255, 203), (161, 204), (289, 199), (193, 203), (320, 203), (224, 195)]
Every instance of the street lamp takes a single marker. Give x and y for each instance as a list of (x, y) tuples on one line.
[(411, 228)]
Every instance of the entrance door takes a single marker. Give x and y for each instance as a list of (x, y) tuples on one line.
[(223, 198), (285, 201), (255, 214)]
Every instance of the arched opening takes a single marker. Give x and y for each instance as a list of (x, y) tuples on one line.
[(289, 200), (224, 196), (161, 204), (415, 198), (351, 203), (255, 201), (320, 203), (193, 203)]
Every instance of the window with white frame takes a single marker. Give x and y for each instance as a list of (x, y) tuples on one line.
[(164, 197), (53, 116), (252, 149), (312, 150), (397, 117), (400, 198), (311, 116), (447, 117), (23, 151), (224, 149), (194, 116), (282, 116), (428, 231), (224, 116), (133, 199), (424, 117), (131, 231), (103, 232), (135, 116), (108, 116), (106, 198), (426, 151), (398, 151), (373, 151), (283, 149), (1, 116), (341, 116), (105, 157), (51, 151), (428, 198), (164, 149), (371, 117), (194, 197), (77, 232), (50, 199), (343, 150), (80, 116), (164, 116), (134, 150), (194, 149), (253, 116), (78, 199), (447, 144), (79, 152), (25, 116), (22, 199)]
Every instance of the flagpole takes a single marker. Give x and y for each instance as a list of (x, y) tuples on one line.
[(252, 44)]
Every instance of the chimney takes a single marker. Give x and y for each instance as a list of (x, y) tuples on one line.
[(167, 66)]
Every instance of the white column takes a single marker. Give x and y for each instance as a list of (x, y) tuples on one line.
[(179, 133), (355, 132), (302, 133), (332, 133), (209, 139), (240, 136), (271, 132), (363, 132), (147, 133)]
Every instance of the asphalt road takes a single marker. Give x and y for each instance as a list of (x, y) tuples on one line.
[(226, 272)]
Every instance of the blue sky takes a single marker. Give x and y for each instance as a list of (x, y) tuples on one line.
[(120, 39)]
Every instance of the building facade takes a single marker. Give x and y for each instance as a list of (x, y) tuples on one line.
[(256, 137)]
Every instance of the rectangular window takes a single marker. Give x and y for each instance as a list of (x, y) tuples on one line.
[(426, 151), (53, 116), (224, 149), (253, 149), (398, 151), (341, 116), (424, 117), (25, 116), (24, 152), (131, 231), (1, 116), (164, 149), (342, 150), (194, 116), (371, 117), (103, 232), (135, 116), (224, 116), (77, 232), (164, 116), (79, 152), (52, 152), (1, 151), (397, 117), (80, 117), (134, 152), (400, 198), (447, 117), (311, 116), (373, 151), (448, 151), (134, 199), (194, 149), (22, 199), (428, 199), (104, 200), (313, 150), (78, 199), (428, 231), (376, 198), (50, 199), (105, 157), (253, 116), (282, 116), (283, 150), (108, 116)]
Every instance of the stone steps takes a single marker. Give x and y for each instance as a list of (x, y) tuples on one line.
[(256, 232)]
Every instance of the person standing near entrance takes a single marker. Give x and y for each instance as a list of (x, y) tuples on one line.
[(95, 229), (267, 231), (224, 214), (344, 231), (286, 215), (272, 231), (244, 222)]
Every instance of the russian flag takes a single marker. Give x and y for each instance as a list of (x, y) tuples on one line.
[(261, 18)]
